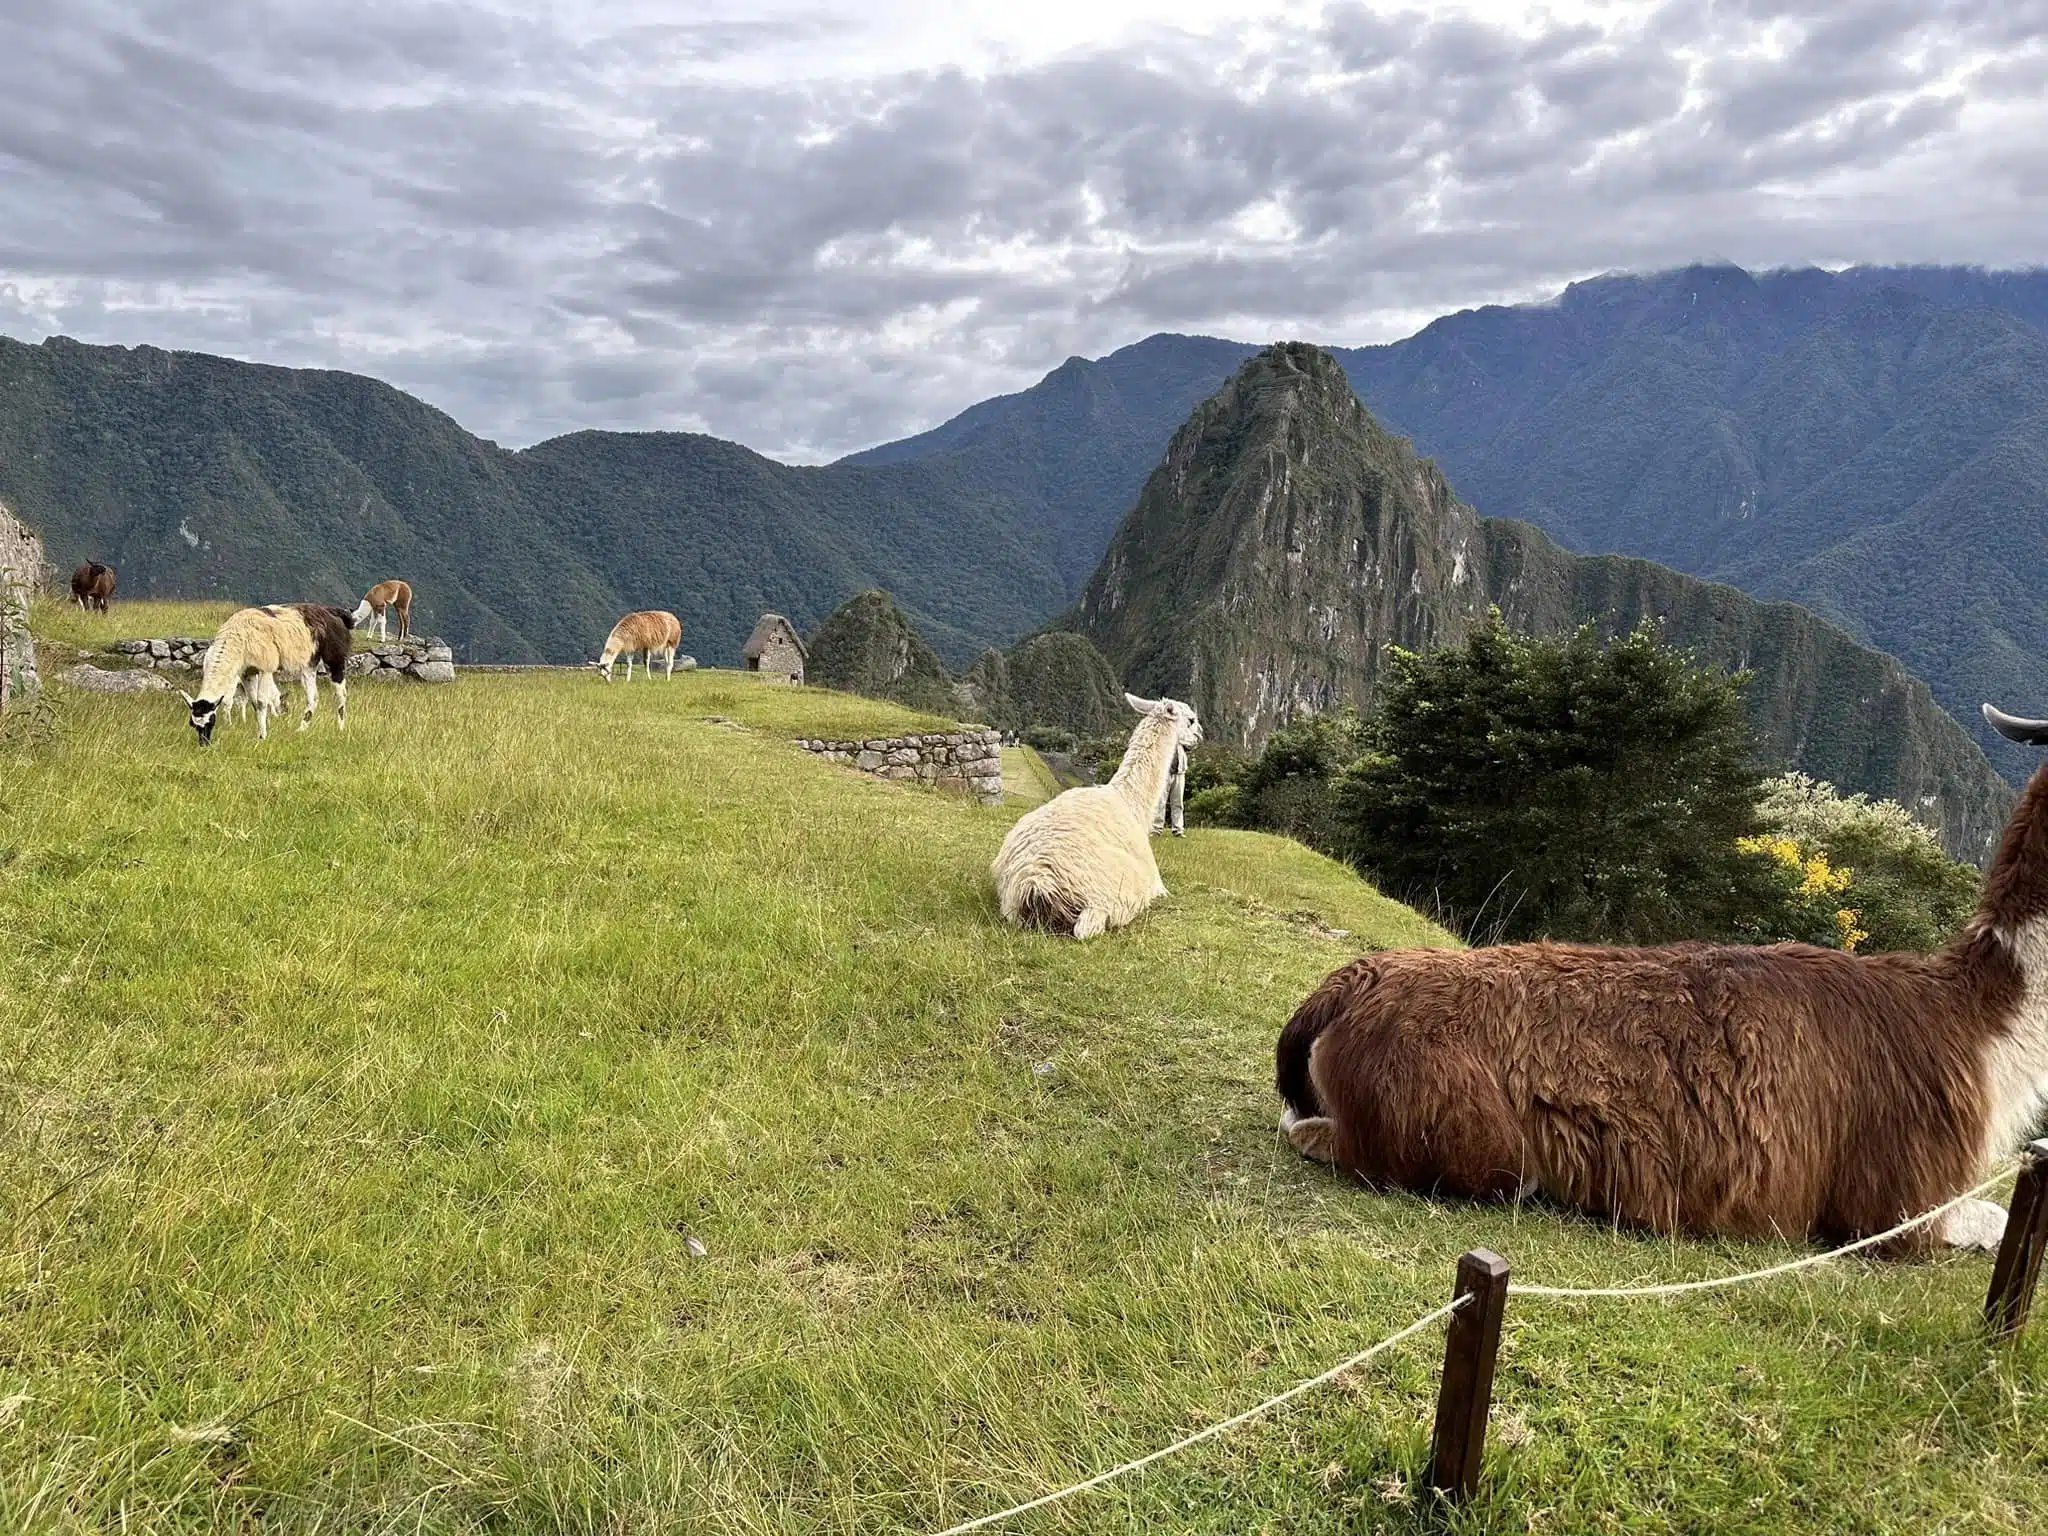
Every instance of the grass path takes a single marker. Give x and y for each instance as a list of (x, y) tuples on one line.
[(364, 1101), (1026, 779)]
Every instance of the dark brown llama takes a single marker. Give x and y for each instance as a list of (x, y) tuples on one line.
[(92, 584), (1757, 1092)]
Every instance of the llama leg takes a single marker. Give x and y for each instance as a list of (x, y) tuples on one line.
[(312, 687), (1090, 923), (1313, 1136), (1974, 1224), (341, 704)]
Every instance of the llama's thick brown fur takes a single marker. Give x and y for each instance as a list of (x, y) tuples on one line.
[(1785, 1090)]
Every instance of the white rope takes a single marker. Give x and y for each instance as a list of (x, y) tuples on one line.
[(1216, 1429), (1515, 1288)]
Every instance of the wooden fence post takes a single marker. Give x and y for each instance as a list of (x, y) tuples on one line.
[(2019, 1254), (1466, 1392)]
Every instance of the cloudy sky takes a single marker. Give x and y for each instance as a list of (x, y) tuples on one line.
[(812, 225)]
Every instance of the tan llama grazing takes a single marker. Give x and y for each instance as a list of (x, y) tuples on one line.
[(1082, 862), (653, 633), (1779, 1091), (381, 600)]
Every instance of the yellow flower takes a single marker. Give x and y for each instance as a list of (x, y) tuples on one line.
[(1783, 849), (1846, 919)]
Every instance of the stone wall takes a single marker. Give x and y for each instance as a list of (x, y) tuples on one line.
[(21, 572), (420, 661), (968, 761), (423, 661)]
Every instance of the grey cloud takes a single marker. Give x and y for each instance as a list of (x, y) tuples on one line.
[(540, 229)]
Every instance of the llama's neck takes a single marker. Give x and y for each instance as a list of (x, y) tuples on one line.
[(222, 665), (2009, 935), (1141, 776)]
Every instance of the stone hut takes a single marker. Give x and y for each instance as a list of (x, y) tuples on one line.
[(21, 572), (775, 650)]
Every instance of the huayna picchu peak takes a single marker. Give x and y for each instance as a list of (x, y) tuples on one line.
[(1287, 538)]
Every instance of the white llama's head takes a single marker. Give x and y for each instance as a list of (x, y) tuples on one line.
[(1187, 728)]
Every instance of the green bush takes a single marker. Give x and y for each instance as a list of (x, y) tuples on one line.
[(1216, 806), (1049, 738), (1908, 893), (1561, 788)]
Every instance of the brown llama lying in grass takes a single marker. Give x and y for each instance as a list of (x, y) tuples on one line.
[(1779, 1091)]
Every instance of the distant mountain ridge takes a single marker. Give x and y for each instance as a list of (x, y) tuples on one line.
[(1872, 443), (199, 476), (1287, 538), (1869, 443)]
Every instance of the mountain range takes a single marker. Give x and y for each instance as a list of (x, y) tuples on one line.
[(1287, 538), (1870, 443)]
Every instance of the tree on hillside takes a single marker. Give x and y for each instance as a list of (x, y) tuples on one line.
[(1560, 788)]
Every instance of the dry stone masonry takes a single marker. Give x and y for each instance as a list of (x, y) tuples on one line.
[(21, 571), (968, 761), (422, 661)]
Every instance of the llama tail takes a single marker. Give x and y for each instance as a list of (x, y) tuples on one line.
[(1317, 1013)]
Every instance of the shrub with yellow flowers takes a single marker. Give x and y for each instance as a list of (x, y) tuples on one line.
[(1814, 906)]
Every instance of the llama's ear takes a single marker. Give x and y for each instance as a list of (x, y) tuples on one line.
[(189, 700), (2028, 733), (1142, 706)]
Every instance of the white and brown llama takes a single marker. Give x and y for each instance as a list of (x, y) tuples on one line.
[(379, 602), (253, 646), (1082, 862), (651, 634), (1778, 1091)]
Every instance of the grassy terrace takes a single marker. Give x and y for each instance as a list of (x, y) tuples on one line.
[(363, 1100)]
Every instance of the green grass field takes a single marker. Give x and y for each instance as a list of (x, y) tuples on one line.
[(364, 1099), (61, 624)]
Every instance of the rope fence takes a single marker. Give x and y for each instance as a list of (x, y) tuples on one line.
[(1478, 1305), (1196, 1438)]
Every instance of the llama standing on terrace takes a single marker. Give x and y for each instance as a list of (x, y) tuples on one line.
[(1082, 862), (382, 598), (652, 633), (254, 645), (91, 585), (1704, 1088)]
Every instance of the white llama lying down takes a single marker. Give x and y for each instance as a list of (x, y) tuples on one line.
[(1082, 862)]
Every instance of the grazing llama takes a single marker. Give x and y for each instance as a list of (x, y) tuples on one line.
[(381, 598), (653, 633), (1778, 1091), (1082, 862), (92, 584), (254, 645)]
